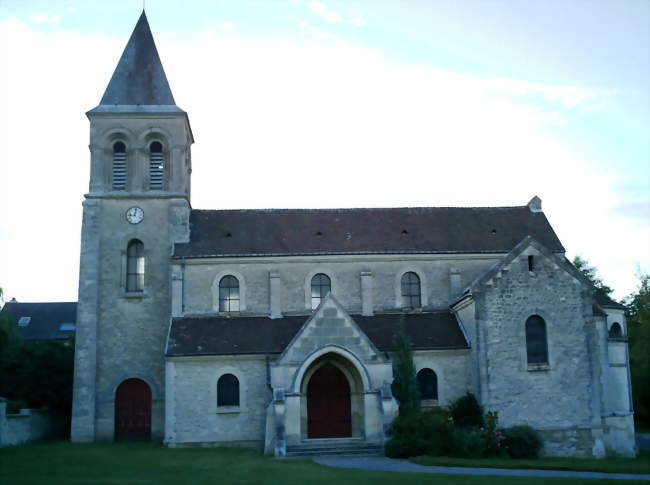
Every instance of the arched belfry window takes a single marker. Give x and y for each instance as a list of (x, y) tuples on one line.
[(428, 383), (536, 344), (321, 285), (616, 331), (156, 166), (227, 391), (119, 166), (135, 266), (229, 294), (411, 290)]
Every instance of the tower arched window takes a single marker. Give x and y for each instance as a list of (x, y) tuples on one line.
[(119, 165), (321, 285), (229, 294), (227, 391), (616, 331), (428, 383), (536, 342), (411, 290), (156, 166), (135, 266)]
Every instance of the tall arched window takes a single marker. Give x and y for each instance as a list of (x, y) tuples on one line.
[(227, 391), (135, 266), (616, 331), (156, 166), (536, 345), (428, 383), (229, 294), (119, 166), (321, 285), (411, 290)]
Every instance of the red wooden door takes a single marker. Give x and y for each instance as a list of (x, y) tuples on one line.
[(328, 404), (133, 411)]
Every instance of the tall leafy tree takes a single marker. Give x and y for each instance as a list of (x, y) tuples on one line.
[(638, 323), (405, 385), (591, 273)]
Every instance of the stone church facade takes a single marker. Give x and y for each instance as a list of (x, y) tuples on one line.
[(274, 329)]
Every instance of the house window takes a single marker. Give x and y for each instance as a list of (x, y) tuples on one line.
[(428, 382), (229, 294), (321, 285), (616, 331), (135, 266), (531, 263), (119, 166), (156, 166), (536, 345), (411, 290), (227, 391)]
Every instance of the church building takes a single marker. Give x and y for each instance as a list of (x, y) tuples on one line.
[(273, 328)]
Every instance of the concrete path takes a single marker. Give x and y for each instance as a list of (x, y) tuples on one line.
[(392, 465)]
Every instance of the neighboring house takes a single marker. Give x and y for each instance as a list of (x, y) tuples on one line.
[(42, 321), (272, 328)]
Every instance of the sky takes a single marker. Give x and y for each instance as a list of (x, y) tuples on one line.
[(368, 103)]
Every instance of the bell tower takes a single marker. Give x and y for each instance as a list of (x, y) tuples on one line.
[(137, 207)]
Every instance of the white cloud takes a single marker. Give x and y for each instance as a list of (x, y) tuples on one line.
[(321, 10), (45, 18), (307, 124), (226, 26)]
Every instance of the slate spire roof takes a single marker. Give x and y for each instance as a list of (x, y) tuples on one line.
[(139, 78)]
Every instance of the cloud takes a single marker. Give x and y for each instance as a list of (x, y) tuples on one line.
[(330, 16), (45, 18), (298, 124), (226, 26)]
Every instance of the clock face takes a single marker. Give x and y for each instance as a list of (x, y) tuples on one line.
[(134, 215)]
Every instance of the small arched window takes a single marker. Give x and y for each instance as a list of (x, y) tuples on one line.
[(616, 331), (321, 285), (428, 383), (229, 294), (119, 166), (227, 391), (536, 344), (411, 290), (156, 166), (135, 266)]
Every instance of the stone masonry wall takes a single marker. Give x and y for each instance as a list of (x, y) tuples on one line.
[(560, 395)]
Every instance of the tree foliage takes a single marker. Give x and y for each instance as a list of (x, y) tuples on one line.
[(405, 385), (638, 323), (591, 273)]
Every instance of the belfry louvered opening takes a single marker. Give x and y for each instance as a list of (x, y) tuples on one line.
[(119, 166), (156, 166)]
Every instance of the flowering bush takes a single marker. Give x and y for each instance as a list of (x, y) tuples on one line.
[(495, 440)]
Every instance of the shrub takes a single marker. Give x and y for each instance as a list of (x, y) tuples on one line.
[(523, 442), (466, 411), (467, 443), (419, 433), (494, 438)]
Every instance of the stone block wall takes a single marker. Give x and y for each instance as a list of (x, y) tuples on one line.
[(29, 425)]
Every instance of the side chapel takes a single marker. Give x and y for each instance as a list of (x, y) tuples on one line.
[(274, 328)]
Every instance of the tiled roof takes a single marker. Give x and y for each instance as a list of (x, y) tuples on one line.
[(43, 320), (278, 232), (606, 302), (255, 335)]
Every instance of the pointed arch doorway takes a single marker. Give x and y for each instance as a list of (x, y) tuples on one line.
[(329, 409), (133, 411)]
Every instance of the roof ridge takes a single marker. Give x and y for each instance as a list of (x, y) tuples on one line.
[(279, 209)]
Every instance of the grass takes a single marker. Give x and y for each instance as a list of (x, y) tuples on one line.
[(126, 464), (641, 464)]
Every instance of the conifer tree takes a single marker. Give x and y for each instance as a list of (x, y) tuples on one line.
[(405, 385)]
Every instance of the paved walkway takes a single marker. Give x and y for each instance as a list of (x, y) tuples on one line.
[(393, 465)]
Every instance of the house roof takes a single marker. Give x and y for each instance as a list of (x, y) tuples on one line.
[(606, 302), (284, 232), (139, 78), (217, 335), (45, 320)]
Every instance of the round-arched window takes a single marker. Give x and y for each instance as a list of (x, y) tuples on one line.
[(321, 285), (229, 297), (615, 331), (428, 383), (227, 390), (411, 290)]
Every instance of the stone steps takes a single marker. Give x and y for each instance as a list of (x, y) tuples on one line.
[(335, 447)]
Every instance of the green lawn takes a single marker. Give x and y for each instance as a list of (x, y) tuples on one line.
[(125, 464), (641, 464)]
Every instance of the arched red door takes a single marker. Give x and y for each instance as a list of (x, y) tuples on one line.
[(328, 404), (133, 411)]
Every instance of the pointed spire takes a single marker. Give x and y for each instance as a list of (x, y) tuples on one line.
[(139, 78)]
